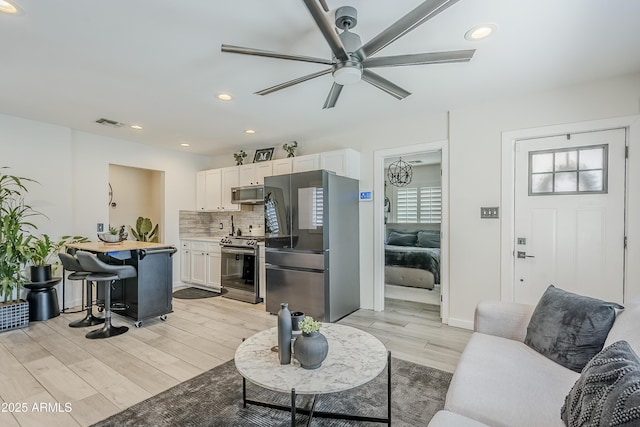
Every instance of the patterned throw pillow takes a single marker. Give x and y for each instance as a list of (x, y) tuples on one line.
[(569, 328), (608, 390)]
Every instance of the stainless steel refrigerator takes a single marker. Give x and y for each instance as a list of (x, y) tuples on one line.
[(312, 244)]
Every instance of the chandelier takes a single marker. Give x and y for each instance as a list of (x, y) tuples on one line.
[(399, 173)]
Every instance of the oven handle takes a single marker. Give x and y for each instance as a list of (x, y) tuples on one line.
[(226, 250)]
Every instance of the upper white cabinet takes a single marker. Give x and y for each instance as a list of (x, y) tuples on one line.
[(230, 179), (213, 187), (254, 173), (201, 190), (213, 195), (343, 162), (282, 166), (310, 162)]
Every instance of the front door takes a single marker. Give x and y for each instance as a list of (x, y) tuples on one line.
[(570, 215)]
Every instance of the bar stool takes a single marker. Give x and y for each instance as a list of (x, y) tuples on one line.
[(69, 263), (105, 274)]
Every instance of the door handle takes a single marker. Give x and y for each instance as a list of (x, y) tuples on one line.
[(524, 255)]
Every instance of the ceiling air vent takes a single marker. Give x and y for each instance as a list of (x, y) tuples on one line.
[(111, 123)]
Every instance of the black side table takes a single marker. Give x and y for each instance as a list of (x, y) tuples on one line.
[(43, 299)]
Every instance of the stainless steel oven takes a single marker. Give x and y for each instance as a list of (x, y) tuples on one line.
[(240, 273)]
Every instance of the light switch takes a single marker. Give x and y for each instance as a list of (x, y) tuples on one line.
[(489, 212)]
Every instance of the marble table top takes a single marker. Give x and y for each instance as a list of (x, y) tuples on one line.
[(355, 357)]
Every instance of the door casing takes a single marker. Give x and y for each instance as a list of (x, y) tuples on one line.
[(507, 238)]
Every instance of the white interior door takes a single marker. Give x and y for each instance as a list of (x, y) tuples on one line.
[(570, 215)]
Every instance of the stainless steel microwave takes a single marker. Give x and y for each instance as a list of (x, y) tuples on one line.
[(249, 195)]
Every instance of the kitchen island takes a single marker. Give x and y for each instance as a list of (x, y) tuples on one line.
[(147, 295)]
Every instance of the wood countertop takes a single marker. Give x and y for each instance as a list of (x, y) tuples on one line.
[(126, 245)]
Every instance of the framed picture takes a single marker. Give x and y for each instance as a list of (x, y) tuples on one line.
[(263, 155)]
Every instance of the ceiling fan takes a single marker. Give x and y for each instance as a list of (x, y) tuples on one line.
[(352, 61)]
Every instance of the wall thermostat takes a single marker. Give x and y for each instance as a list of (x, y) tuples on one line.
[(366, 196)]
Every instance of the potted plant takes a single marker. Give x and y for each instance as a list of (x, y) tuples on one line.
[(41, 251), (145, 231), (239, 156), (290, 148), (311, 347), (15, 238)]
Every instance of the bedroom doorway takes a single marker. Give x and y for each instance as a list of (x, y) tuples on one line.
[(410, 236), (413, 214)]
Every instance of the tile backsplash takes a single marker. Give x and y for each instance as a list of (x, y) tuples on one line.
[(207, 224)]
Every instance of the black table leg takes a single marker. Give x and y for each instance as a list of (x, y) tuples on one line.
[(293, 407)]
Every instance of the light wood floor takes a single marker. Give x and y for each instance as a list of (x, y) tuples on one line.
[(51, 375)]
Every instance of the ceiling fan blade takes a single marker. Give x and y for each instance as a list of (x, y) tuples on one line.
[(285, 85), (384, 84), (411, 20), (420, 59), (327, 30), (324, 5), (269, 54), (332, 98)]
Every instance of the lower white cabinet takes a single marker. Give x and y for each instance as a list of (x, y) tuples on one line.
[(185, 262), (214, 269), (200, 263)]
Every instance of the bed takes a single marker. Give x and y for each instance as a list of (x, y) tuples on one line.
[(413, 258)]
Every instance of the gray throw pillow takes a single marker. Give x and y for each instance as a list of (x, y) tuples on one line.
[(608, 390), (428, 239), (569, 328), (402, 239)]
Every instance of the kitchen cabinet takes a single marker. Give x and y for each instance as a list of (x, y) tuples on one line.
[(254, 174), (229, 178), (213, 194), (343, 162), (185, 262), (201, 263), (201, 191), (198, 263), (214, 267), (281, 166), (310, 162)]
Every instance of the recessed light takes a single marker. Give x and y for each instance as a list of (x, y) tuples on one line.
[(7, 7), (184, 144), (224, 97), (480, 32), (249, 131), (136, 127)]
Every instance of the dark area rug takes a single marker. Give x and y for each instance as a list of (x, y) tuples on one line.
[(195, 293), (214, 398)]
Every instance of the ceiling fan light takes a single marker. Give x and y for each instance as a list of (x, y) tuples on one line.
[(7, 7), (480, 32), (347, 75)]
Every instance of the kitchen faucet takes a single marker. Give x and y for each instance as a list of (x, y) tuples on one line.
[(233, 228)]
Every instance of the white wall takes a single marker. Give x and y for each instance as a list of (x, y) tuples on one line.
[(73, 170), (73, 167)]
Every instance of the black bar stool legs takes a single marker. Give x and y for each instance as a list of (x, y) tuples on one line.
[(108, 330), (105, 274), (89, 319)]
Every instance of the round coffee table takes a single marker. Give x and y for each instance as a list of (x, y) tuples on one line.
[(355, 357)]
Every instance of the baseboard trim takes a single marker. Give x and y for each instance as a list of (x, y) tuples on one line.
[(459, 323)]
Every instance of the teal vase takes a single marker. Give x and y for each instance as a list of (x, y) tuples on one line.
[(311, 349)]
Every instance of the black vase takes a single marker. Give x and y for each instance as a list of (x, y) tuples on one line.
[(40, 273)]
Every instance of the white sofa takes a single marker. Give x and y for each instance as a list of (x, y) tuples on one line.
[(501, 382)]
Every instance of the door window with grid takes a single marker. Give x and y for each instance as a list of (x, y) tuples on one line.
[(419, 205)]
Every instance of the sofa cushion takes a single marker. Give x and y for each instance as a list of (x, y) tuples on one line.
[(569, 328), (397, 238), (451, 419), (626, 326), (503, 383), (608, 390)]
